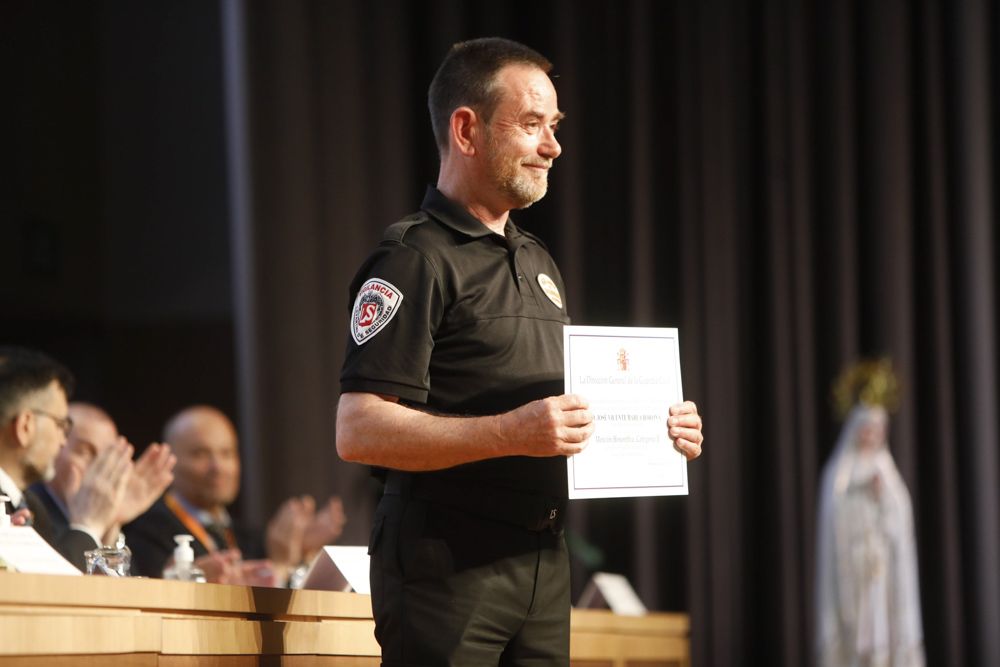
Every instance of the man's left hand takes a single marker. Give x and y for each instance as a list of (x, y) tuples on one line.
[(325, 528), (286, 530), (684, 428), (152, 474)]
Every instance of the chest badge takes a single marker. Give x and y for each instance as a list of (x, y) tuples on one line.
[(375, 305), (549, 287)]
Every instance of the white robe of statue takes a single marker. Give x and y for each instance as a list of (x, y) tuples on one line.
[(867, 592)]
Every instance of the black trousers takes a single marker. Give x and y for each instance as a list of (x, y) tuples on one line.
[(453, 589)]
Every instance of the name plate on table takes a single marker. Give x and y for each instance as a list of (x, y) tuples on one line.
[(630, 376), (340, 568)]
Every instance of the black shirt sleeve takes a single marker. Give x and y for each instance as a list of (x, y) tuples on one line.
[(396, 306)]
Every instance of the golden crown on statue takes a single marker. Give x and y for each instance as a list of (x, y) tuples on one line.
[(870, 382)]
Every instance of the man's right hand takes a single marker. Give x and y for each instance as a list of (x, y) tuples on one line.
[(554, 426), (96, 504)]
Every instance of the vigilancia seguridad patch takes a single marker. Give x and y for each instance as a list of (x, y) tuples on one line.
[(374, 307)]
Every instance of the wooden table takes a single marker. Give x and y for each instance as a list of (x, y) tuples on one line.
[(55, 621)]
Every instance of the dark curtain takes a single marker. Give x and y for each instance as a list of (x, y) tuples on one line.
[(792, 184)]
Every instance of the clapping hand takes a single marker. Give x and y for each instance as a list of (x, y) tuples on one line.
[(287, 529), (151, 475), (102, 489), (325, 527)]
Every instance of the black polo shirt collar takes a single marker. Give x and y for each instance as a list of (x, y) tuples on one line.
[(456, 217)]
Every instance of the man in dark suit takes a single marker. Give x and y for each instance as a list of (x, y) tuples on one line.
[(34, 417), (206, 482)]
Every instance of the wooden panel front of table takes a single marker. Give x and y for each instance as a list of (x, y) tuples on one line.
[(56, 621)]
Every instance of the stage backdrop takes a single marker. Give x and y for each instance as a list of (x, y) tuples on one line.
[(792, 184)]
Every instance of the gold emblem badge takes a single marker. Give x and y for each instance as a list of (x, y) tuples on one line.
[(549, 287)]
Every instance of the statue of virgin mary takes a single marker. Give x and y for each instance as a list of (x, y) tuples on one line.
[(867, 592)]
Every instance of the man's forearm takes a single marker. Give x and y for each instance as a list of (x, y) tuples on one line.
[(377, 430), (380, 431)]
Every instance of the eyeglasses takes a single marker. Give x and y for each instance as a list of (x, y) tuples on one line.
[(65, 423)]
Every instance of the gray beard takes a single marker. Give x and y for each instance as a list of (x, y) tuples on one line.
[(522, 191)]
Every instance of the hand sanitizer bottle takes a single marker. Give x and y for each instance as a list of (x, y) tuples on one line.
[(183, 568)]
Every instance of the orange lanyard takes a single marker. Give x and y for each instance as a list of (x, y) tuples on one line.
[(194, 526)]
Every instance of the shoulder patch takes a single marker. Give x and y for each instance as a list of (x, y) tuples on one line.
[(375, 305)]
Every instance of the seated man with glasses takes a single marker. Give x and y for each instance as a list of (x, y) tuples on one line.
[(34, 417)]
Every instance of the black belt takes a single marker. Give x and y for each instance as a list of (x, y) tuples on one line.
[(527, 510)]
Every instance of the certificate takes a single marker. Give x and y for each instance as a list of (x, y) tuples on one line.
[(630, 376)]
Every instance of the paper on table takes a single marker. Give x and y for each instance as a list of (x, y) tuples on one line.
[(613, 591), (24, 550), (353, 562), (631, 376)]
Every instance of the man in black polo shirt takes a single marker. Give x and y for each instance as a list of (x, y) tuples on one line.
[(453, 384)]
